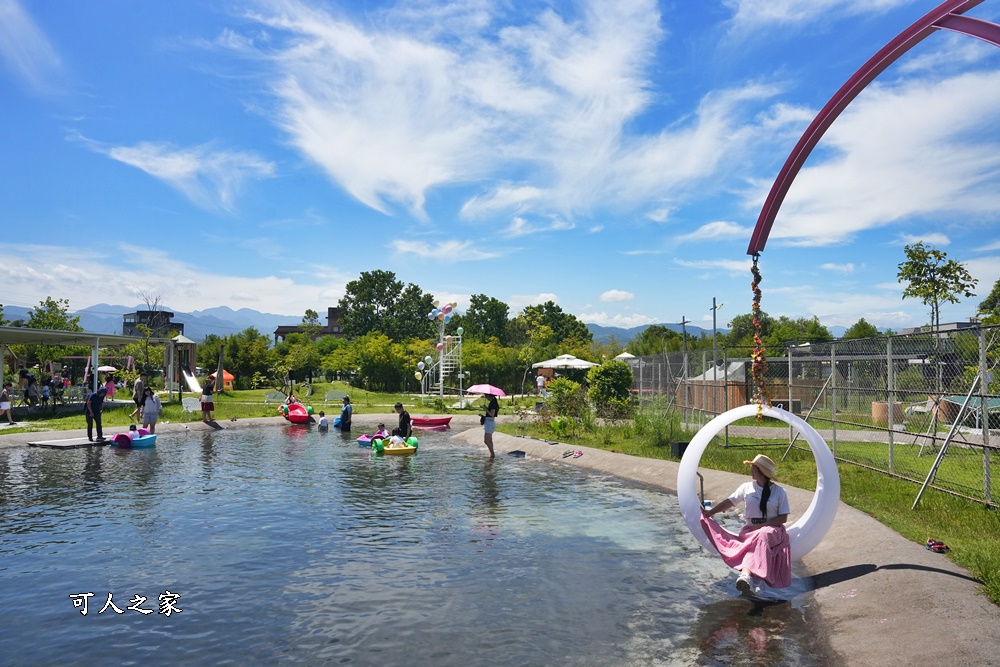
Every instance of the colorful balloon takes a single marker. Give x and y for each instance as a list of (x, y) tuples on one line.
[(460, 331), (441, 316), (428, 359), (447, 318), (430, 315), (446, 309), (420, 365), (419, 376), (437, 303)]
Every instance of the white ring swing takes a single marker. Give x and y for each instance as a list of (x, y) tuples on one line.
[(805, 533)]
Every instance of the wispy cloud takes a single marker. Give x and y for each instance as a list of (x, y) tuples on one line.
[(617, 320), (211, 179), (617, 295), (448, 251), (730, 265), (935, 239), (24, 48), (519, 302), (842, 268), (522, 227), (751, 15), (716, 230)]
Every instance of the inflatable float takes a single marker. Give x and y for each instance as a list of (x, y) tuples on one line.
[(431, 423), (366, 440), (386, 447), (296, 413), (141, 438)]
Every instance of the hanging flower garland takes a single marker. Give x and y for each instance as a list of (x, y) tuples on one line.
[(759, 354)]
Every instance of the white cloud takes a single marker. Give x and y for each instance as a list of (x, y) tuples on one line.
[(447, 251), (935, 239), (730, 265), (842, 268), (24, 48), (522, 227), (211, 179), (617, 295), (989, 247), (889, 163), (596, 228), (183, 286), (716, 230), (617, 320), (749, 15), (502, 198)]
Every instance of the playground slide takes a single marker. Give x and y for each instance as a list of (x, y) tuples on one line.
[(190, 381)]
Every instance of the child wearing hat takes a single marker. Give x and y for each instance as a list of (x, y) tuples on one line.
[(761, 550)]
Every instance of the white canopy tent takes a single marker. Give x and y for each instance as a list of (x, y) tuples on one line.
[(565, 361)]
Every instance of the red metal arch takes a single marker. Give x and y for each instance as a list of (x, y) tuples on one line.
[(947, 16)]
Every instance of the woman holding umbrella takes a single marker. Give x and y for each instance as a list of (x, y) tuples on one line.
[(490, 423)]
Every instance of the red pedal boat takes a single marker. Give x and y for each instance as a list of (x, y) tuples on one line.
[(431, 423)]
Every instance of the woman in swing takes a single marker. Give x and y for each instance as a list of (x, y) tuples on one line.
[(761, 550)]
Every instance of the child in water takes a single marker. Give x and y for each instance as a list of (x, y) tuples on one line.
[(324, 423), (382, 433)]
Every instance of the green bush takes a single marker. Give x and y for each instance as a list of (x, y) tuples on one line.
[(610, 384), (568, 398)]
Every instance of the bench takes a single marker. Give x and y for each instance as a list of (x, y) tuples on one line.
[(191, 405), (274, 397)]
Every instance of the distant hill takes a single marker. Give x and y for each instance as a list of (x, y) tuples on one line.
[(221, 321), (624, 336)]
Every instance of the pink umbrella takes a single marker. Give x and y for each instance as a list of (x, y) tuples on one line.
[(485, 389)]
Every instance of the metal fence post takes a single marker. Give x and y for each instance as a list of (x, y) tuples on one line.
[(833, 395), (890, 383), (984, 407)]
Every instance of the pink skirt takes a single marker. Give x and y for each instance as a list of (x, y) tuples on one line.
[(766, 552)]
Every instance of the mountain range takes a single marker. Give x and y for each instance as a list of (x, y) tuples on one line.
[(224, 321)]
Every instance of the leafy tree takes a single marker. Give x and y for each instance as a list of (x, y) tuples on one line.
[(299, 355), (486, 318), (610, 387), (53, 315), (380, 361), (802, 330), (248, 355), (655, 339), (567, 398), (934, 279), (741, 330), (377, 302), (310, 325), (861, 329), (3, 320), (989, 309)]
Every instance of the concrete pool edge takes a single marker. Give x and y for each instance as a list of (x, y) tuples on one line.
[(879, 598)]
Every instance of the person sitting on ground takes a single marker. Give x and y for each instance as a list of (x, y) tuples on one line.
[(151, 409), (405, 428), (324, 423), (762, 549), (5, 406)]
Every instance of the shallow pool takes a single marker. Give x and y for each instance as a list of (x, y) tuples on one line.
[(286, 545)]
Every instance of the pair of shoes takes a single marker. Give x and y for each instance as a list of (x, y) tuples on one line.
[(578, 453), (743, 584), (568, 453), (90, 439), (937, 547)]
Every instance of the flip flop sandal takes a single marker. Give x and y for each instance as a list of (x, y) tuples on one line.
[(577, 454), (940, 548), (567, 453), (931, 543)]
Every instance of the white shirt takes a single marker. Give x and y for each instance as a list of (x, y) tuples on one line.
[(750, 492), (324, 423), (540, 381)]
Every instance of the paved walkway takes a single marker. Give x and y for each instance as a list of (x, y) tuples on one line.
[(877, 598)]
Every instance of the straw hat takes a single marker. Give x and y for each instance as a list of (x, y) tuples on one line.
[(765, 465)]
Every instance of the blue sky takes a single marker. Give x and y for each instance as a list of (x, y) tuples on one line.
[(611, 156)]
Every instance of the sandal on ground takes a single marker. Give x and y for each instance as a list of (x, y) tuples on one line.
[(567, 453), (940, 548), (578, 453)]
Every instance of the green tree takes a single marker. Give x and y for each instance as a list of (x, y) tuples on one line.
[(655, 339), (860, 329), (377, 302), (486, 318), (381, 362), (934, 279), (741, 330), (310, 325), (53, 315), (248, 355), (610, 387), (989, 308), (800, 330)]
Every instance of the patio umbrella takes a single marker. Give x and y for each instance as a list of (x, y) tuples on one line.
[(564, 361), (485, 389), (106, 369)]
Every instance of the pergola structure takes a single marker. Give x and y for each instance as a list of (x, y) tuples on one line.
[(26, 336)]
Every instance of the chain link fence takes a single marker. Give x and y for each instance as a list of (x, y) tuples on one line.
[(920, 407)]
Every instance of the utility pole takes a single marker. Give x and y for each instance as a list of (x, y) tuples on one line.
[(684, 333), (715, 363)]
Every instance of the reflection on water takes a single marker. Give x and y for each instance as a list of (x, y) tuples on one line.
[(290, 545)]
